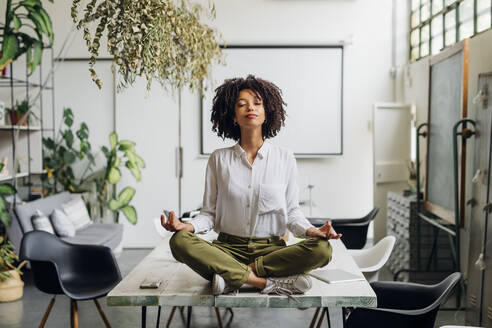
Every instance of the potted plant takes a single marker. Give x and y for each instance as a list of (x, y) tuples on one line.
[(11, 285), (121, 151), (155, 39), (20, 113), (21, 20), (64, 152)]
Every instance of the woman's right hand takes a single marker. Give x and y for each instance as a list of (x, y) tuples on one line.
[(173, 224)]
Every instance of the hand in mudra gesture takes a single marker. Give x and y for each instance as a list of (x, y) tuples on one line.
[(173, 224), (326, 231)]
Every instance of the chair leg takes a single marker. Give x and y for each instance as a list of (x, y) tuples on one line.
[(101, 312), (232, 313), (188, 317), (75, 314), (321, 317), (328, 317), (47, 313), (158, 317), (315, 316), (217, 313), (170, 316)]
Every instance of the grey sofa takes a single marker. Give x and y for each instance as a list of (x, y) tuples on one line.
[(106, 234)]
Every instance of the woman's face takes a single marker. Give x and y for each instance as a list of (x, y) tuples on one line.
[(249, 109)]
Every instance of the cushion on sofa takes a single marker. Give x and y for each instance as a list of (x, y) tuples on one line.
[(106, 234), (62, 224), (77, 212), (25, 211), (41, 222)]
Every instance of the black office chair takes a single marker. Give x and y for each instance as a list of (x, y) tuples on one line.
[(404, 305), (354, 231), (82, 272)]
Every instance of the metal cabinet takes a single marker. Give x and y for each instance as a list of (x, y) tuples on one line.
[(479, 293)]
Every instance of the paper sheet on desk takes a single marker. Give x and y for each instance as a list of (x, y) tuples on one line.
[(333, 276)]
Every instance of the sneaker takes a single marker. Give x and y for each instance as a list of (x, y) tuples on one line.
[(220, 287), (297, 284)]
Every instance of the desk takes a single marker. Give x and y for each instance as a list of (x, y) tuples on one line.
[(183, 287)]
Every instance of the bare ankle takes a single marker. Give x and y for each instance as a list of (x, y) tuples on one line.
[(256, 281), (253, 267)]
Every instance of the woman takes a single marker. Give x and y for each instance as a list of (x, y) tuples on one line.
[(250, 199)]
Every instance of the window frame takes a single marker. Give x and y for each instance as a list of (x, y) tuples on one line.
[(444, 10)]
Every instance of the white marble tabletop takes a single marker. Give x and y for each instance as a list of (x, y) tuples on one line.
[(181, 286)]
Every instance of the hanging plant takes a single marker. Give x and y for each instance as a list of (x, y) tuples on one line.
[(155, 39)]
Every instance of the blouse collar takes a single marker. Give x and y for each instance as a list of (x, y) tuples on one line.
[(262, 152)]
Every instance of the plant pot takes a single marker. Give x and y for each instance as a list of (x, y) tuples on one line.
[(12, 288), (16, 118)]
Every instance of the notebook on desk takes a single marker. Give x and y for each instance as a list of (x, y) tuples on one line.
[(333, 276)]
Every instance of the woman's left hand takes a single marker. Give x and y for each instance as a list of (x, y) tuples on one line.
[(326, 231)]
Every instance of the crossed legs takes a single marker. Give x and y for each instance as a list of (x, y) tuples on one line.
[(249, 263)]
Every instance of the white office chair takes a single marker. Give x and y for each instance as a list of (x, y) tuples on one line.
[(371, 260)]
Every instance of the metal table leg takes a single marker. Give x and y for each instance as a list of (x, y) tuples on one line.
[(188, 317), (144, 316)]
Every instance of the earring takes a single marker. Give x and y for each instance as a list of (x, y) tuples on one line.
[(235, 123)]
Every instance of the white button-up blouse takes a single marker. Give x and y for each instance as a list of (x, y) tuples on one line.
[(258, 200)]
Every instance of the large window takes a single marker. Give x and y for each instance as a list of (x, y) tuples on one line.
[(436, 24)]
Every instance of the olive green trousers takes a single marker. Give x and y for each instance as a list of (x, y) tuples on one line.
[(229, 256)]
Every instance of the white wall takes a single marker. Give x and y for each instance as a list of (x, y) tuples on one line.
[(343, 185)]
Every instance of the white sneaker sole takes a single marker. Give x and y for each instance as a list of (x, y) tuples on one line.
[(215, 286)]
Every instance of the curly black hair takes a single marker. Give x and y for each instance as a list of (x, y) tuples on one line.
[(225, 99)]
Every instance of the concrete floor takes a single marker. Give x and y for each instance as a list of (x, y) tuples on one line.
[(28, 311)]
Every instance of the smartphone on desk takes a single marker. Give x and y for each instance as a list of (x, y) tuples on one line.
[(150, 283)]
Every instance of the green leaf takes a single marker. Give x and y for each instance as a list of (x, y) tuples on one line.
[(130, 213), (83, 131), (134, 170), (17, 22), (29, 57), (38, 23), (126, 145), (1, 166), (105, 151), (139, 161), (35, 16), (68, 136), (68, 157), (37, 56), (10, 45), (130, 154), (113, 139), (32, 3), (114, 175), (47, 22), (114, 205), (7, 189), (68, 117), (126, 195), (49, 143), (5, 218)]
